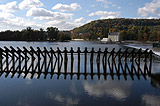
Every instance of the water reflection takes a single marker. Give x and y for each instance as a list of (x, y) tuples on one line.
[(20, 103), (100, 89), (151, 100), (119, 90), (63, 62), (155, 80), (62, 99), (73, 89)]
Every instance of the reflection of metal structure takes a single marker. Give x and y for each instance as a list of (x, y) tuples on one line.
[(49, 62)]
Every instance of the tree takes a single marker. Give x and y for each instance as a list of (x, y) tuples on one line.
[(64, 37), (158, 36), (17, 35), (146, 30), (145, 36), (123, 35), (42, 34), (29, 33), (52, 33), (153, 36), (140, 36)]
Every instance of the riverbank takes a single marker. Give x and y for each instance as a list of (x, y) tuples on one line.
[(137, 42)]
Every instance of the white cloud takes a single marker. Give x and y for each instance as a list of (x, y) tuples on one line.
[(43, 14), (13, 22), (4, 15), (63, 21), (22, 103), (64, 25), (151, 100), (152, 18), (79, 20), (21, 22), (93, 5), (56, 23), (39, 12), (118, 7), (73, 89), (105, 2), (88, 11), (88, 21), (100, 0), (27, 4), (108, 17), (118, 89), (105, 14), (68, 101), (9, 7), (150, 9), (64, 7)]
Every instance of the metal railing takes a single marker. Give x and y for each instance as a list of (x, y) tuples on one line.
[(16, 61)]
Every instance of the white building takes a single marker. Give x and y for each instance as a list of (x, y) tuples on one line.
[(106, 40), (114, 37)]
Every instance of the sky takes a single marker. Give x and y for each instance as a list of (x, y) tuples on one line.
[(69, 14)]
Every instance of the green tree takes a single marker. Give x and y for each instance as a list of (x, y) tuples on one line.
[(52, 33), (123, 34), (64, 37), (145, 36), (158, 36), (29, 33), (140, 36), (42, 34)]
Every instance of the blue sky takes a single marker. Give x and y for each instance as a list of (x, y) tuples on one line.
[(68, 14)]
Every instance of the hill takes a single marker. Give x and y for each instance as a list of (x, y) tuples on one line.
[(130, 29)]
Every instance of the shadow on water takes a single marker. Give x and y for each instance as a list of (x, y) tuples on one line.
[(75, 63)]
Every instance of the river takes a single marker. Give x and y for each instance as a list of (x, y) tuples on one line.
[(66, 92)]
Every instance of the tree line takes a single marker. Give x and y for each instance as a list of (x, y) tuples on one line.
[(130, 29), (29, 34)]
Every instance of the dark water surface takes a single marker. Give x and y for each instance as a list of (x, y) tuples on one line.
[(66, 92)]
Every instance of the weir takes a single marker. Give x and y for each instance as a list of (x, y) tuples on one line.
[(49, 62)]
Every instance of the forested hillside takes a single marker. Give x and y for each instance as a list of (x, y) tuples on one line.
[(130, 29)]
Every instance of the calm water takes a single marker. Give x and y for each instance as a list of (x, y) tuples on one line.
[(61, 92)]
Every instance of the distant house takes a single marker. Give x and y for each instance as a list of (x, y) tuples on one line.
[(114, 37), (106, 40)]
